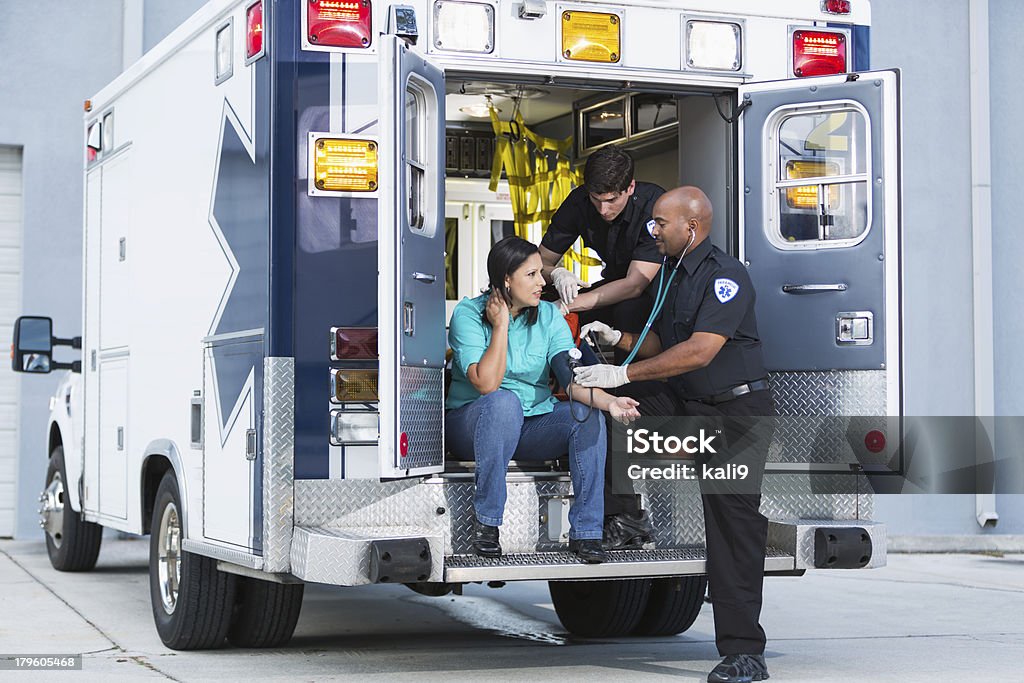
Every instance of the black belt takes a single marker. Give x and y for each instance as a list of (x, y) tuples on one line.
[(736, 392)]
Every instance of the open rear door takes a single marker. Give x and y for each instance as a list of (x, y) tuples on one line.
[(820, 217), (411, 262)]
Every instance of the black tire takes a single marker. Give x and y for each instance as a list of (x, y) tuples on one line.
[(600, 609), (72, 544), (673, 605), (199, 614), (265, 612)]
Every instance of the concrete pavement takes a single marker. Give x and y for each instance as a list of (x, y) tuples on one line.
[(922, 618)]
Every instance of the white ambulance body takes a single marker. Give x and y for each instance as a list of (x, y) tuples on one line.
[(271, 238)]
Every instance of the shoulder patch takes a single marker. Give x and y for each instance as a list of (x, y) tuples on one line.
[(650, 227), (726, 289)]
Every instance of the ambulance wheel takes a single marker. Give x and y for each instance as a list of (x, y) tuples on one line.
[(72, 544), (192, 601), (265, 612), (600, 609), (673, 605)]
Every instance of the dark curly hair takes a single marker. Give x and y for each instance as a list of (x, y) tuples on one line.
[(504, 259)]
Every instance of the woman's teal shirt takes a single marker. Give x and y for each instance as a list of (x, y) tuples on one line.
[(530, 351)]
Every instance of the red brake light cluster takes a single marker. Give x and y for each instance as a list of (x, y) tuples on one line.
[(818, 53), (339, 23), (354, 343), (254, 30)]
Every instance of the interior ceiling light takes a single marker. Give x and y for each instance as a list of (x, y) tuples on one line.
[(479, 111)]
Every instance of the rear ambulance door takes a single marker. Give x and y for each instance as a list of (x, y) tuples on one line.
[(820, 233), (411, 262)]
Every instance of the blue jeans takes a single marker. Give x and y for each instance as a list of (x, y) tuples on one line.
[(493, 431)]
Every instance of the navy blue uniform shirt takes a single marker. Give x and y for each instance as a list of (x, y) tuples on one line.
[(623, 240), (711, 292)]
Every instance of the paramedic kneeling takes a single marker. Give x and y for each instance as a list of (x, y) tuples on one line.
[(705, 344), (505, 344)]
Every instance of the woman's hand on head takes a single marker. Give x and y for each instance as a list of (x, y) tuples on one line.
[(624, 409), (497, 310)]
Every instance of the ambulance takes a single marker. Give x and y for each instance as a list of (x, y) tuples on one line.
[(284, 199)]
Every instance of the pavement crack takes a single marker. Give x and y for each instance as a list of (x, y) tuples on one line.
[(116, 646)]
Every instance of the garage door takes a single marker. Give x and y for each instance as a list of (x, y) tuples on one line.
[(10, 303)]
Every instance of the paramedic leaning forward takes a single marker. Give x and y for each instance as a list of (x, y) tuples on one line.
[(505, 344), (705, 344), (610, 212)]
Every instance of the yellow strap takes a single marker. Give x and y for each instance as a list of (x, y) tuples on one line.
[(536, 186)]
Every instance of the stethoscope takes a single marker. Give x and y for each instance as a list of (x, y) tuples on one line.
[(659, 300)]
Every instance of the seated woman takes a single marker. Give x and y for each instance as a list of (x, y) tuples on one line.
[(505, 344)]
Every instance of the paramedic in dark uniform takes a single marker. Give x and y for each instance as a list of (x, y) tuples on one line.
[(705, 349), (610, 211)]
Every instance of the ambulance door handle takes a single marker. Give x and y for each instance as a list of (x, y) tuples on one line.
[(425, 278), (409, 319), (813, 289)]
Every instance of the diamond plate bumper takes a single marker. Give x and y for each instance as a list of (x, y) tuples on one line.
[(796, 537), (341, 557)]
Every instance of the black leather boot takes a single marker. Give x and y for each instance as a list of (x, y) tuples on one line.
[(588, 550), (485, 540)]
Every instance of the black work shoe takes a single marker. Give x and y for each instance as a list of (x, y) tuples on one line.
[(588, 550), (627, 532), (485, 540), (739, 669)]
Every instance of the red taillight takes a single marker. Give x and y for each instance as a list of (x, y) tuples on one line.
[(403, 445), (818, 53), (339, 23), (354, 343), (254, 30), (835, 6), (874, 441)]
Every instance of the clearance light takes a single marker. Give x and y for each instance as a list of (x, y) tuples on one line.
[(353, 343), (463, 26), (591, 36), (254, 30), (339, 23), (713, 45), (352, 428), (353, 386), (818, 53), (835, 6), (345, 165), (806, 196)]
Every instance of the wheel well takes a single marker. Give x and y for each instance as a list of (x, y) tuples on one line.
[(54, 440), (152, 474)]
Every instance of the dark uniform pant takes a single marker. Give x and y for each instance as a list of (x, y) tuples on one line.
[(736, 532)]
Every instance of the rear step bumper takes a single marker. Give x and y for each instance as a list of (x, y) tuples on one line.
[(564, 565)]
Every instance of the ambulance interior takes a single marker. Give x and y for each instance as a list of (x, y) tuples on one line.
[(674, 138)]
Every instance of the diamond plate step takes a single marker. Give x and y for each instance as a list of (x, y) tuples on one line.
[(565, 565)]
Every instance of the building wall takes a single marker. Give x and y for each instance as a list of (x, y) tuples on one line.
[(41, 111), (937, 239)]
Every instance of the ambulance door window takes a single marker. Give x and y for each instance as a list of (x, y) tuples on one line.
[(420, 114), (821, 176)]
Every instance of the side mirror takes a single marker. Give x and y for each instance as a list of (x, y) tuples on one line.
[(32, 350)]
